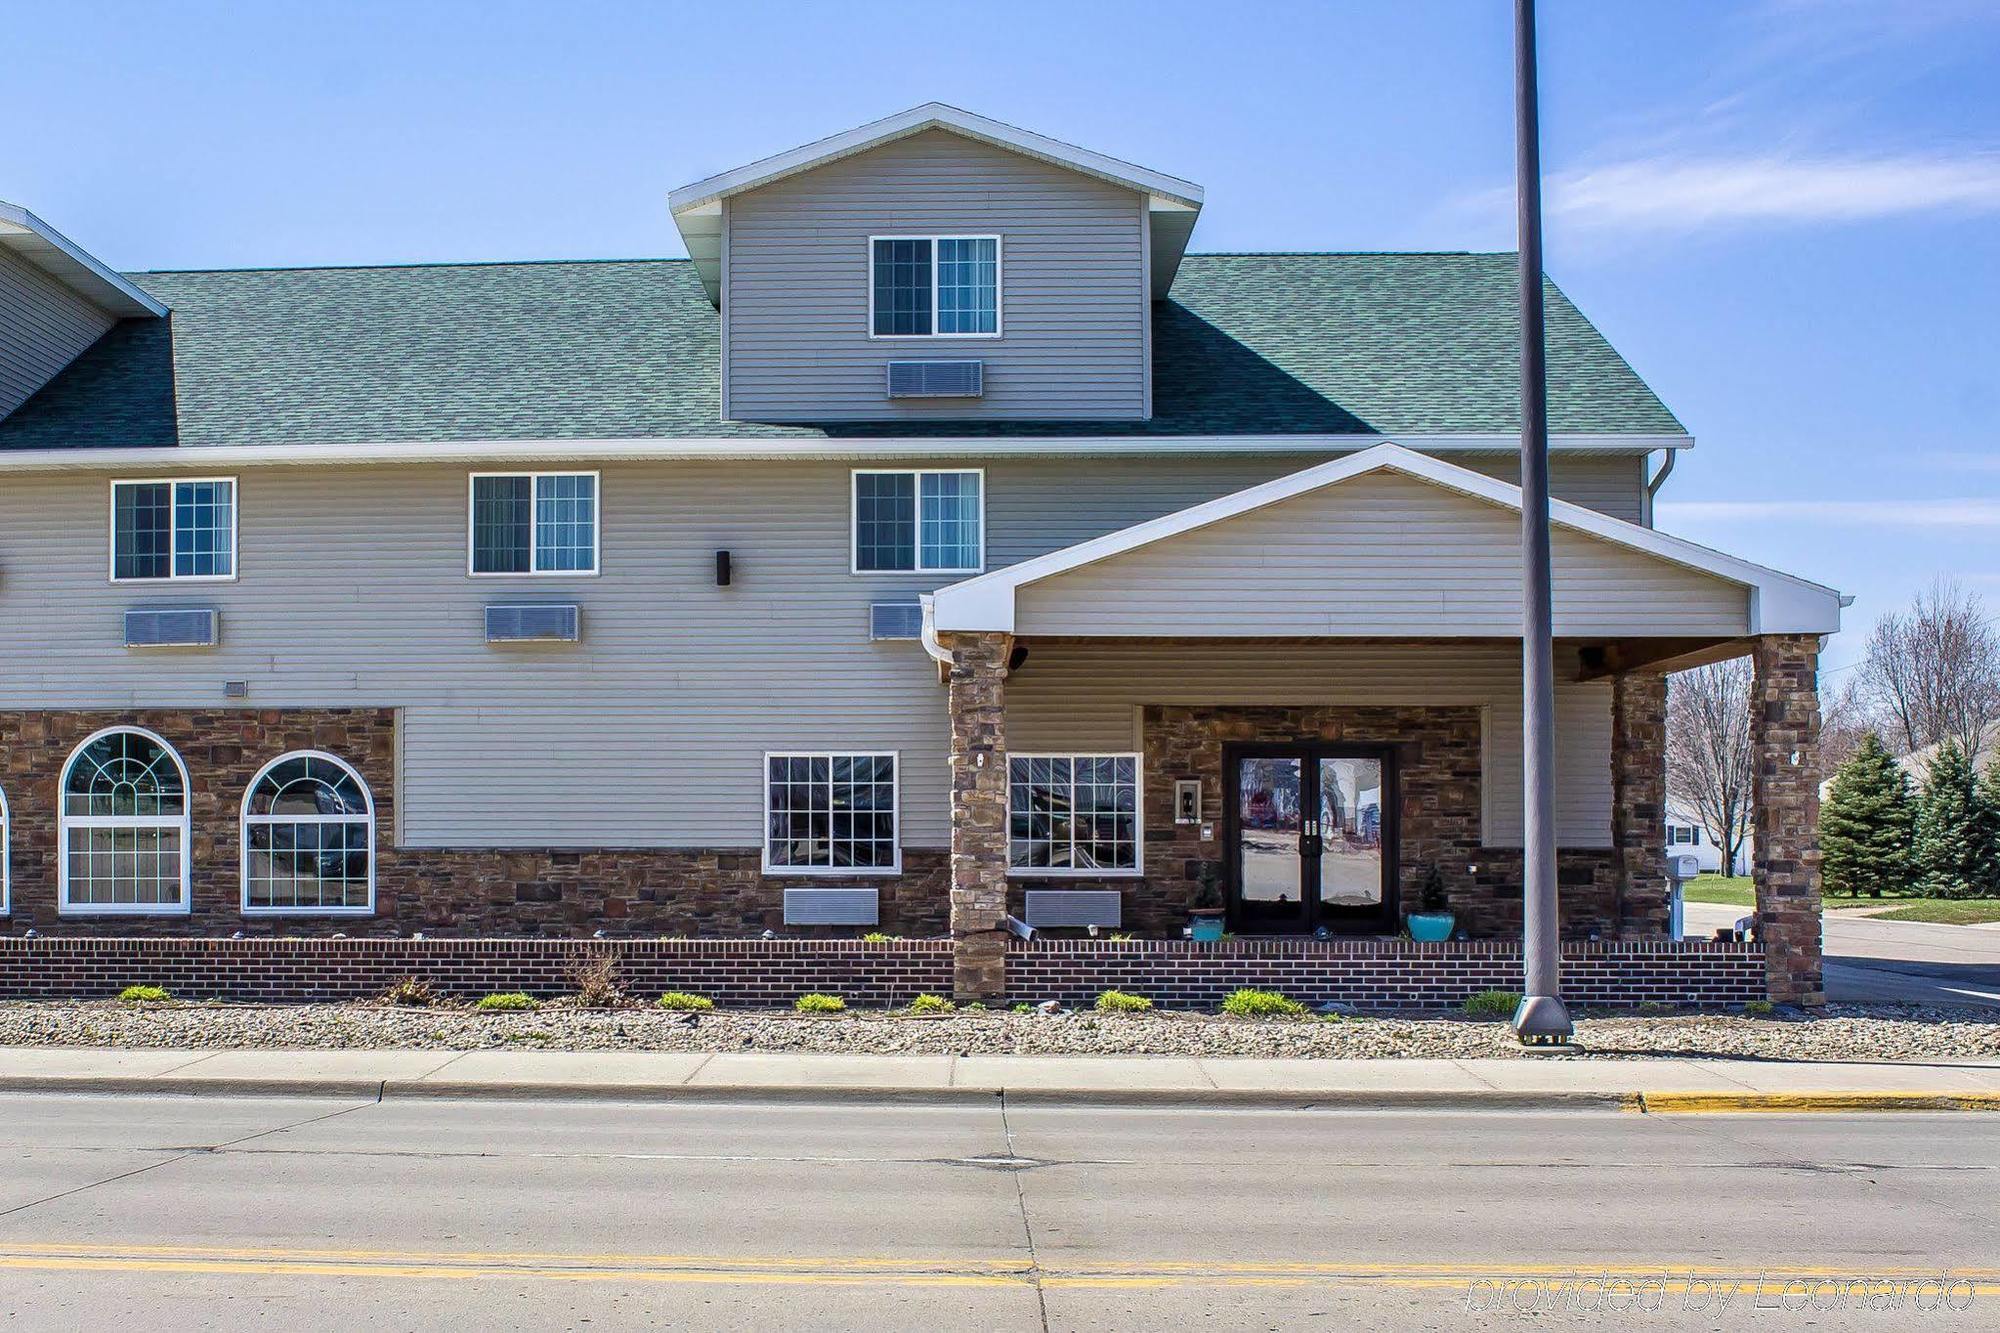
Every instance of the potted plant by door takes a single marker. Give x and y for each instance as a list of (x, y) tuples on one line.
[(1206, 912), (1433, 919)]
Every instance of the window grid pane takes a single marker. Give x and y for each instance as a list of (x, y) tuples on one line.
[(566, 523), (902, 287), (126, 866), (950, 520), (142, 531), (832, 811), (203, 529), (1077, 812), (885, 521), (502, 529), (968, 285)]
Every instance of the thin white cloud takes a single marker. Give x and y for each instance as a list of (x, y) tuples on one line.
[(1688, 194), (1966, 513)]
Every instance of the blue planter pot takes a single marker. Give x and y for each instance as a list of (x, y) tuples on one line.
[(1431, 927), (1205, 928)]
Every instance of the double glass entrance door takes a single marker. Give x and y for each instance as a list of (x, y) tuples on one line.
[(1311, 838)]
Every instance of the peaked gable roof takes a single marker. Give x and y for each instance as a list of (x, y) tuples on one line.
[(1321, 349), (1779, 603), (1173, 202)]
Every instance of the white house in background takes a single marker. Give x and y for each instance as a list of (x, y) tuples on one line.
[(1686, 836)]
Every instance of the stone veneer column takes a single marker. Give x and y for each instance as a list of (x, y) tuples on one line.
[(1639, 800), (977, 695), (1784, 812)]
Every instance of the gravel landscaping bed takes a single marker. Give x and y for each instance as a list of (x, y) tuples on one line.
[(1838, 1033)]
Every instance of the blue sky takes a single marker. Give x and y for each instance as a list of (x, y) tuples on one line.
[(1786, 213)]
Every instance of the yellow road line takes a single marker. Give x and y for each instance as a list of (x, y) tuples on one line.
[(1710, 1103)]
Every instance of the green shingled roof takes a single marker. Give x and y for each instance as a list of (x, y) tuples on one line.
[(1247, 345)]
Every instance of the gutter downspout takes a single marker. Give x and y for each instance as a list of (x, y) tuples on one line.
[(1659, 480), (928, 635)]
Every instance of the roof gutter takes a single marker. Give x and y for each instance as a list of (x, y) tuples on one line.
[(729, 449)]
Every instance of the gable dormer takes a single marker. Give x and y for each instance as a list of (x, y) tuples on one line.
[(55, 301), (937, 266)]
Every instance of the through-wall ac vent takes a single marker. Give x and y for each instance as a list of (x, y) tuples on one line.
[(1074, 907), (172, 627), (532, 622), (937, 379), (896, 620), (830, 907)]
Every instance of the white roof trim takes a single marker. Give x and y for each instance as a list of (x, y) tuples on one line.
[(73, 266), (728, 448), (934, 115), (1779, 603)]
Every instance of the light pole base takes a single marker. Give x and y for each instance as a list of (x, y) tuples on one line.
[(1542, 1020)]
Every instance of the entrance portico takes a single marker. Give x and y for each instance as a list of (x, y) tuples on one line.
[(1327, 662)]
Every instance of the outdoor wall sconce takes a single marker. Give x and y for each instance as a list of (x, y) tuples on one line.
[(722, 569)]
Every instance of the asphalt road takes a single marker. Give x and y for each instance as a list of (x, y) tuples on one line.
[(1890, 962), (151, 1213)]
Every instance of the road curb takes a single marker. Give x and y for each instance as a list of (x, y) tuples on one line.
[(1641, 1102), (1806, 1103)]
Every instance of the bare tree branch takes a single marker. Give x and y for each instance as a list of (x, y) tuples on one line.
[(1708, 750), (1934, 674)]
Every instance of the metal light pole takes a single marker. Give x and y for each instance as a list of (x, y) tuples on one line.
[(1541, 1019)]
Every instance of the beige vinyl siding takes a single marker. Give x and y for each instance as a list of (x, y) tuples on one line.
[(43, 326), (353, 591), (1085, 696), (1072, 341), (1381, 554), (1611, 484)]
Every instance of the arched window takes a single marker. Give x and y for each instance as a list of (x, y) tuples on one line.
[(308, 838), (124, 826), (6, 866)]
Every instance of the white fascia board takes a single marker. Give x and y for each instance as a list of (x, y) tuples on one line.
[(933, 115), (76, 267), (752, 449), (1778, 603)]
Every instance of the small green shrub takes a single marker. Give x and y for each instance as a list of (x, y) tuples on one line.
[(1758, 1009), (877, 937), (512, 1001), (816, 1003), (682, 1001), (1024, 1008), (931, 1004), (1118, 1002), (1121, 937), (1262, 1004), (410, 993), (144, 995), (1492, 1004), (1652, 1008)]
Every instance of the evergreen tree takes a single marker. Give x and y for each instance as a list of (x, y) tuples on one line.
[(1954, 843), (1866, 828), (1989, 796)]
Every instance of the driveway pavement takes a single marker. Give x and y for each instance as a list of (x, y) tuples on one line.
[(1891, 962)]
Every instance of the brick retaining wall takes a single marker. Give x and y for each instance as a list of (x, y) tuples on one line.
[(1380, 974), (1371, 974), (748, 973)]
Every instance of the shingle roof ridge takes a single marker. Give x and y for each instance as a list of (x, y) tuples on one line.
[(361, 268)]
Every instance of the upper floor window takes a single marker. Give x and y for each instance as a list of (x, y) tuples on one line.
[(926, 286), (173, 529), (919, 522), (534, 523)]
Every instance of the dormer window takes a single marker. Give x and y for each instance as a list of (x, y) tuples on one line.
[(934, 286)]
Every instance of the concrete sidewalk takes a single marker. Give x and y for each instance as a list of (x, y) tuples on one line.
[(1680, 1084)]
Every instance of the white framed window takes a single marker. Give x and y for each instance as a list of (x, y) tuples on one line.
[(176, 529), (831, 813), (531, 523), (918, 521), (933, 286), (123, 826), (308, 839), (1074, 815)]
